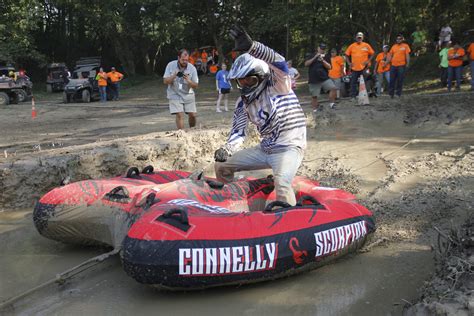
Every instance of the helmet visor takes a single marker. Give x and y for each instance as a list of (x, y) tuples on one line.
[(247, 82)]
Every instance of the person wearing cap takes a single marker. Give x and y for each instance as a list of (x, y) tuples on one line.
[(266, 100), (338, 70), (359, 55), (318, 77), (382, 69), (115, 77), (399, 57), (455, 62)]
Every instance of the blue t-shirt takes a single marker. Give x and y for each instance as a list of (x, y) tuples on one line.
[(222, 81)]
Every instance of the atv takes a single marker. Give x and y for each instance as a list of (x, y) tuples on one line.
[(23, 81), (57, 77), (83, 86), (10, 91)]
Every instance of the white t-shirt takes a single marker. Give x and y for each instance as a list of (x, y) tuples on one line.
[(180, 90)]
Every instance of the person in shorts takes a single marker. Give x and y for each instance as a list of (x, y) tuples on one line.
[(181, 78), (318, 77), (338, 70), (223, 88)]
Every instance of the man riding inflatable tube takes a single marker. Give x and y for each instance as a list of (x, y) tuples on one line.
[(267, 101)]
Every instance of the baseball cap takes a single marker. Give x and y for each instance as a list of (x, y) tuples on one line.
[(322, 46), (360, 34), (385, 46)]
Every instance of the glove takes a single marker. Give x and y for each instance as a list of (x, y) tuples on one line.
[(243, 41), (221, 155)]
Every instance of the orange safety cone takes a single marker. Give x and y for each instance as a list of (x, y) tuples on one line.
[(363, 98), (33, 108)]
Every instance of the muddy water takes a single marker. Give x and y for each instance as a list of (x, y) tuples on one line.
[(367, 283)]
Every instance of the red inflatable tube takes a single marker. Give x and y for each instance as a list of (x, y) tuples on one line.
[(182, 233)]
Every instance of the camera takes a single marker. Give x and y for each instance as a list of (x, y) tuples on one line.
[(180, 74)]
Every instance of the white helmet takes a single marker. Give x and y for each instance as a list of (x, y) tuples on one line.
[(248, 66)]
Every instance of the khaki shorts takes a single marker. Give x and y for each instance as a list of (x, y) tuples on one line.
[(315, 88), (177, 106), (337, 83)]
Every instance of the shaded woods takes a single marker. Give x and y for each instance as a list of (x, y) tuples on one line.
[(140, 37)]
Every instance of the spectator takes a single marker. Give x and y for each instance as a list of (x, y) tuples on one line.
[(294, 74), (268, 102), (359, 55), (444, 35), (181, 78), (223, 88), (102, 83), (115, 77), (382, 69), (443, 64), (338, 70), (470, 50), (204, 61), (419, 40), (399, 57), (318, 77), (455, 56)]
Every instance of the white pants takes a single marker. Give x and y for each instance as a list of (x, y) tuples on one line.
[(284, 165)]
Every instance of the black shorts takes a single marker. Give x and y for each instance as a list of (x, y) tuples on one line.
[(225, 90)]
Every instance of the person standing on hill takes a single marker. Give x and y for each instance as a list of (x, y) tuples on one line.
[(318, 77), (382, 69), (115, 77), (102, 83), (181, 78), (267, 101), (399, 57), (470, 50), (444, 63), (223, 88), (338, 70), (455, 60), (359, 55)]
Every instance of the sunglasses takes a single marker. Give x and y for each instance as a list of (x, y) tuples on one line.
[(247, 82)]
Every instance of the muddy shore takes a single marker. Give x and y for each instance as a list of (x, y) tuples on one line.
[(409, 160)]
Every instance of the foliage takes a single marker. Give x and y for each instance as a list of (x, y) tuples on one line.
[(142, 36)]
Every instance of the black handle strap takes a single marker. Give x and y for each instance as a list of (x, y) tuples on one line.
[(270, 206), (175, 217), (215, 184), (150, 200), (133, 173), (309, 198), (118, 194), (148, 170)]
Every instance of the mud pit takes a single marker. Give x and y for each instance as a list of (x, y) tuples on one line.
[(410, 161)]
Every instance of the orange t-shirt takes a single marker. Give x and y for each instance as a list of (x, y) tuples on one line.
[(458, 61), (359, 53), (204, 57), (337, 67), (102, 79), (213, 69), (115, 76), (382, 66), (399, 54), (470, 50)]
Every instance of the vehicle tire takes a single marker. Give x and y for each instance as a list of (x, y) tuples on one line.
[(15, 99), (49, 88), (86, 96), (65, 98), (22, 95), (4, 99)]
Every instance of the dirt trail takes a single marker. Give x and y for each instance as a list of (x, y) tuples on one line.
[(409, 160)]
